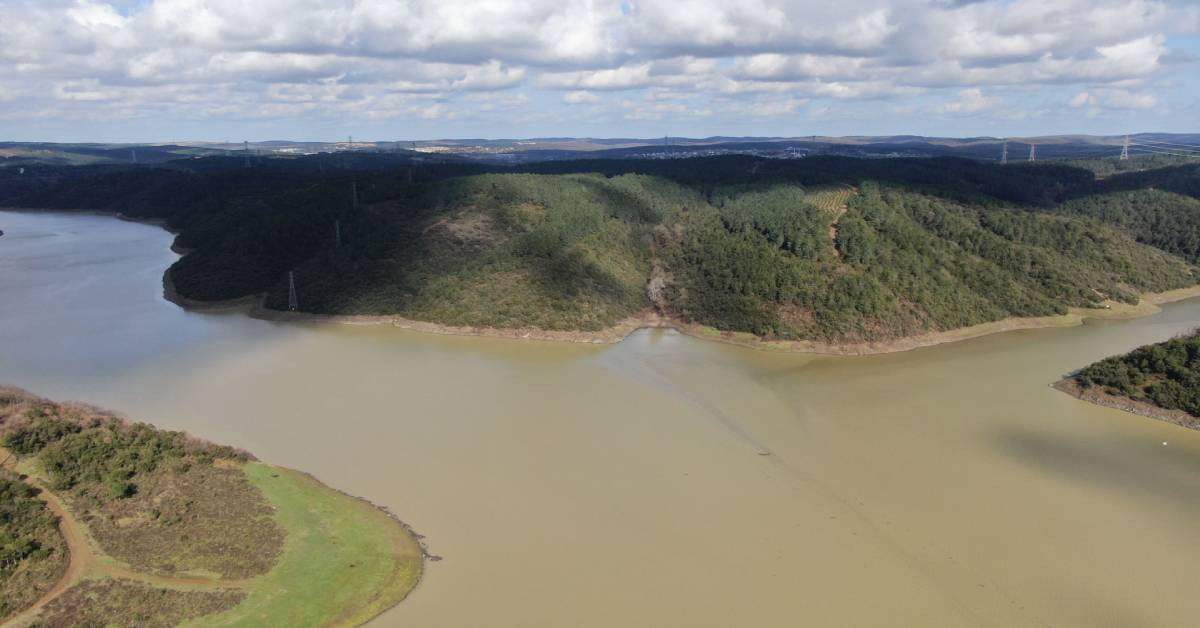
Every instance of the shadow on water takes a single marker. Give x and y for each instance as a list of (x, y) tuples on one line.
[(1153, 470)]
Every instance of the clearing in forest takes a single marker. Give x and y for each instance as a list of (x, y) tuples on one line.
[(835, 201)]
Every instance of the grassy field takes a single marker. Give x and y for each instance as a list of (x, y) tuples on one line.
[(343, 563)]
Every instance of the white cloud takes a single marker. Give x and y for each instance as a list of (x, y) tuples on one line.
[(625, 77), (1124, 99), (437, 111), (772, 108), (580, 97), (1107, 98), (1082, 99), (969, 101), (336, 57)]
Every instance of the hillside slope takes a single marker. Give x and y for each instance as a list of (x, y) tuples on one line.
[(901, 264), (835, 250), (562, 252)]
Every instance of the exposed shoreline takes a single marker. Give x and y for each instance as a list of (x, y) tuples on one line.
[(1095, 395), (649, 319)]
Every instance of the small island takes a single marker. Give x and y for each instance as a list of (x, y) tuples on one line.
[(108, 522), (1161, 381)]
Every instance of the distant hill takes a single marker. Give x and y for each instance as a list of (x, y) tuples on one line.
[(521, 151), (21, 154)]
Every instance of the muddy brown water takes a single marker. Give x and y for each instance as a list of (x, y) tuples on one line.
[(662, 481)]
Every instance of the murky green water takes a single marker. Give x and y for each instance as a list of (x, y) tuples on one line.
[(664, 481)]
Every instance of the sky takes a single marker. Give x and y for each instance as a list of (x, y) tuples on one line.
[(218, 70)]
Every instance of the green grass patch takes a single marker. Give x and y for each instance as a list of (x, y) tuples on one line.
[(343, 563)]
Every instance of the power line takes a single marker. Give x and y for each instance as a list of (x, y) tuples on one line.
[(1176, 150), (1172, 155), (1155, 148), (1182, 150), (1144, 141), (1157, 152)]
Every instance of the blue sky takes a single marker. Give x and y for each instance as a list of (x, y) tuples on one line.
[(161, 70)]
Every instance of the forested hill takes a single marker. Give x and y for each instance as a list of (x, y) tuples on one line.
[(824, 248)]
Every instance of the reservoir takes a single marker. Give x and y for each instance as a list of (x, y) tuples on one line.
[(664, 480)]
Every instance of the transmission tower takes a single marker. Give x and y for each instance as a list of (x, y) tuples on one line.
[(1125, 149), (292, 302), (1004, 153), (1033, 152), (246, 151)]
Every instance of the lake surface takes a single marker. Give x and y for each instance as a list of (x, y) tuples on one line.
[(662, 481)]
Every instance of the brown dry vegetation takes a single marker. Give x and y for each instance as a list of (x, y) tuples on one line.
[(160, 501), (832, 200), (111, 602), (174, 526)]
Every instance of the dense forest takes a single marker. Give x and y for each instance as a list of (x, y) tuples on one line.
[(834, 249), (1166, 374)]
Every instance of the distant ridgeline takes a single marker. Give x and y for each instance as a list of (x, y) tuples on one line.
[(830, 249)]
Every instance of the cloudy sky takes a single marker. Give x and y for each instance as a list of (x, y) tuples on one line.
[(157, 70)]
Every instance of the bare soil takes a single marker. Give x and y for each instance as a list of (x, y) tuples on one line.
[(1098, 396)]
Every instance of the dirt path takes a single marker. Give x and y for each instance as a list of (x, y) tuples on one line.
[(839, 210), (88, 561), (81, 556)]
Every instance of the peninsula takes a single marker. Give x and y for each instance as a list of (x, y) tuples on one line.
[(108, 522), (1161, 381)]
